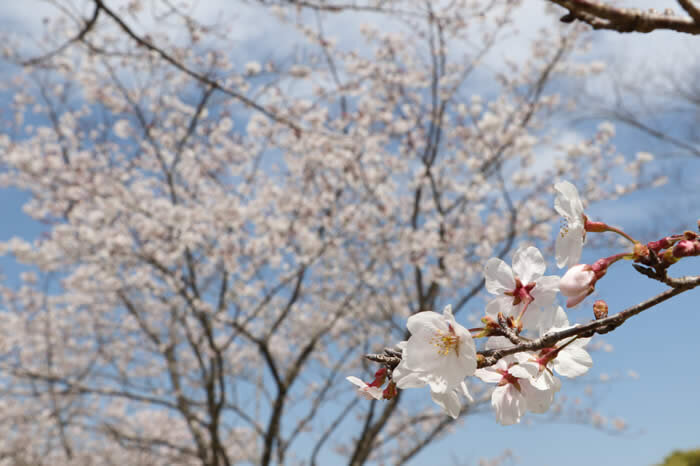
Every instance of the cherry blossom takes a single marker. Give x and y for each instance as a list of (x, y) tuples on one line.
[(567, 358), (572, 235), (440, 352), (570, 357), (448, 400), (515, 394), (521, 286)]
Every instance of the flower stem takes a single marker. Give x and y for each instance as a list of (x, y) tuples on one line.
[(522, 311), (621, 233)]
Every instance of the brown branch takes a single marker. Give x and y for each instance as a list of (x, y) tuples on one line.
[(691, 9), (603, 16), (486, 358)]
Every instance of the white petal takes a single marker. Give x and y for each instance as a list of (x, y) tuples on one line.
[(499, 276), (525, 370), (405, 378), (426, 320), (371, 392), (545, 290), (528, 264), (356, 381), (421, 354), (576, 300), (449, 402), (455, 369), (465, 391), (567, 202), (509, 404), (538, 401), (488, 375), (572, 362), (437, 383), (447, 313), (580, 342), (532, 319), (568, 246), (560, 318), (546, 381), (364, 390), (502, 304), (467, 359)]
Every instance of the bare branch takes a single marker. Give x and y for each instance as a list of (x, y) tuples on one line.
[(603, 16), (78, 37)]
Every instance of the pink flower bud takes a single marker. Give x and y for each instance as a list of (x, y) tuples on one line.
[(595, 227), (657, 246), (684, 248), (577, 283)]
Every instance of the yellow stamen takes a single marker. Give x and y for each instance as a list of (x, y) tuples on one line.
[(445, 341)]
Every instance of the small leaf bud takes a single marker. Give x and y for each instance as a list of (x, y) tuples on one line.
[(600, 309)]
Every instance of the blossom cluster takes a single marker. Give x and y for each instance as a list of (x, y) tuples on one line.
[(441, 353)]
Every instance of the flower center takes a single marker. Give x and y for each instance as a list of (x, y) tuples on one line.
[(508, 378), (446, 341), (521, 293), (564, 230)]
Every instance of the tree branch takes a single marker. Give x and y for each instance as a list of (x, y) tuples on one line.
[(602, 16), (193, 74), (487, 358)]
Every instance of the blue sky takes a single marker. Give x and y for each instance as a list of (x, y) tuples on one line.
[(662, 346)]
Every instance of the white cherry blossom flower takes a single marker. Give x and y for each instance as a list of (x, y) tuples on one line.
[(572, 360), (522, 287), (515, 393), (567, 358), (572, 235), (365, 390), (448, 401), (440, 352)]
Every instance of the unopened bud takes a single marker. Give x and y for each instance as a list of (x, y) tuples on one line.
[(595, 227), (577, 283), (600, 309), (684, 248), (663, 243)]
